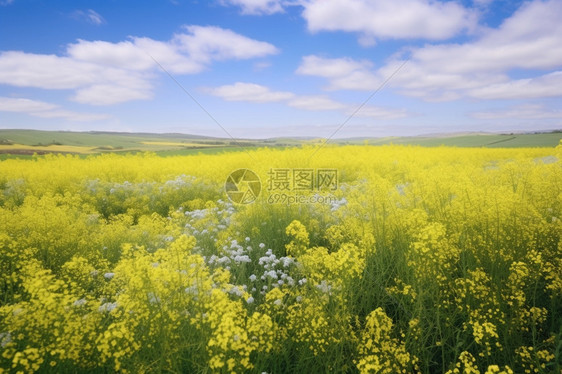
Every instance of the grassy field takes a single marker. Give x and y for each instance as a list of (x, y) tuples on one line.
[(353, 259), (24, 143), (32, 141), (482, 140)]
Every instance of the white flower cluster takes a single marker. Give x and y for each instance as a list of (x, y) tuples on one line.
[(276, 271), (79, 302), (180, 182), (338, 204), (121, 187), (107, 307), (205, 224), (325, 287), (5, 339)]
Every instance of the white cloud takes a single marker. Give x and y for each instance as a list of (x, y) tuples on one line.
[(548, 85), (137, 54), (262, 65), (483, 3), (8, 104), (249, 92), (122, 54), (410, 19), (71, 116), (45, 110), (533, 111), (104, 73), (86, 78), (90, 16), (530, 40), (109, 94), (255, 93), (343, 73), (6, 2), (207, 43), (44, 71), (257, 7), (94, 17), (379, 112), (315, 103)]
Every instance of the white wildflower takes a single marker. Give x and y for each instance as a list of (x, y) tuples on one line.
[(324, 287), (79, 302), (244, 258), (271, 274), (107, 307), (5, 339)]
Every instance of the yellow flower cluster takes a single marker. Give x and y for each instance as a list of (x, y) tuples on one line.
[(474, 297), (345, 264), (423, 260), (234, 336), (312, 326), (300, 240), (433, 256), (52, 319), (466, 364), (379, 352), (535, 361), (402, 289)]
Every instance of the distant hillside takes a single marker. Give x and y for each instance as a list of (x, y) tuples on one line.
[(29, 142), (547, 139)]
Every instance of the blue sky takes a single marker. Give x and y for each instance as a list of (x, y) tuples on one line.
[(268, 68)]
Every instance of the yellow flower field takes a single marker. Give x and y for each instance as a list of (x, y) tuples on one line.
[(431, 260)]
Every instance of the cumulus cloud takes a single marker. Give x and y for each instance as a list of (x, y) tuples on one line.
[(530, 40), (255, 93), (528, 111), (372, 19), (483, 2), (548, 85), (207, 43), (398, 19), (378, 112), (342, 73), (8, 104), (104, 73), (93, 83), (249, 92), (257, 7), (315, 103), (45, 110)]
